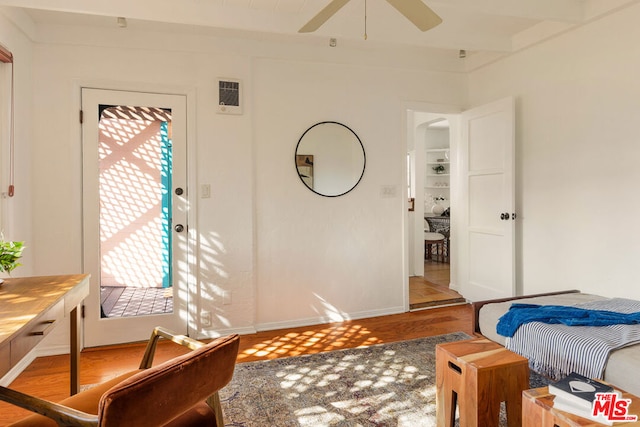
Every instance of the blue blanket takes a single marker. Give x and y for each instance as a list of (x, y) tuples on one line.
[(555, 350), (520, 314)]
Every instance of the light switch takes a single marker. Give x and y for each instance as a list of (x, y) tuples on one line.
[(388, 191), (205, 191)]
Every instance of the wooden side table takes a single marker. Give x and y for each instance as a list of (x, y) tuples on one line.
[(538, 411), (477, 375)]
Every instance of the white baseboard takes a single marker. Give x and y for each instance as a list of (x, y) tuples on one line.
[(210, 334), (269, 326)]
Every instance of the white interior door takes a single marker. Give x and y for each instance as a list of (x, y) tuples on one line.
[(416, 217), (134, 214), (487, 157)]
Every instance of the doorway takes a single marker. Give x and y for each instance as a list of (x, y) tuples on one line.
[(134, 208), (431, 181), (482, 194)]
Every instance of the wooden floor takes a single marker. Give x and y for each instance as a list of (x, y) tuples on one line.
[(437, 273), (48, 377), (432, 289)]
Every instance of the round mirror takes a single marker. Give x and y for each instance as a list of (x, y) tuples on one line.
[(330, 159)]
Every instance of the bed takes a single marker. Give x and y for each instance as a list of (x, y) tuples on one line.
[(621, 369)]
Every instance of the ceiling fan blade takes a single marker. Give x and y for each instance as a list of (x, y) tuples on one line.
[(322, 16), (417, 12)]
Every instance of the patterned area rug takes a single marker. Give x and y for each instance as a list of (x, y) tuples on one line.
[(382, 385)]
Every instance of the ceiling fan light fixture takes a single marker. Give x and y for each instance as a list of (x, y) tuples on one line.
[(421, 15), (323, 16), (415, 11)]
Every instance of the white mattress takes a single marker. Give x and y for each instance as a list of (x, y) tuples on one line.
[(622, 367)]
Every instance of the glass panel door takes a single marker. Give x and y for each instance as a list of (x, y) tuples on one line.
[(135, 214)]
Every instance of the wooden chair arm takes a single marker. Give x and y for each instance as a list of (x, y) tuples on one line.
[(61, 414), (160, 332)]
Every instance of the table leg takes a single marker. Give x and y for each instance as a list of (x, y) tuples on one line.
[(518, 382), (74, 351)]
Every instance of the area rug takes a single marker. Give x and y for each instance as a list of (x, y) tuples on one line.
[(381, 385)]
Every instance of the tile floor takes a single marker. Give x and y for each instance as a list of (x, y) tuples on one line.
[(130, 301)]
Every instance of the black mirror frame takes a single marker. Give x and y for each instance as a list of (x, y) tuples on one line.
[(364, 158)]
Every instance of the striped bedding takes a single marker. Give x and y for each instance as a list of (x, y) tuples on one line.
[(557, 350)]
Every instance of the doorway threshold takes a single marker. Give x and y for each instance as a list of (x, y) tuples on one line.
[(437, 304), (424, 293)]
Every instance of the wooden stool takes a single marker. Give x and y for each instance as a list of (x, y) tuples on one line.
[(477, 375), (433, 239), (538, 411)]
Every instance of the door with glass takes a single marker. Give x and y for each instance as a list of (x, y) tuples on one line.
[(134, 214)]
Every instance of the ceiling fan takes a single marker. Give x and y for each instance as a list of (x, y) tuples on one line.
[(414, 10)]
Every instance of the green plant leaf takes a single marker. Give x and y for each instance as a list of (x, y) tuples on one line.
[(10, 253)]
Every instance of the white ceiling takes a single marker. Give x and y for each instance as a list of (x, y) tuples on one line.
[(478, 26)]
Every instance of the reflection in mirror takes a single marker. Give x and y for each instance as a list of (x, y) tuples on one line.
[(330, 159), (304, 162)]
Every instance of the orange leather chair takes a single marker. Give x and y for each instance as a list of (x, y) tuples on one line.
[(180, 392)]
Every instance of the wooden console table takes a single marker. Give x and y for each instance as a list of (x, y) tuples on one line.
[(30, 307)]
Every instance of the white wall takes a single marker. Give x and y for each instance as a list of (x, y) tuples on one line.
[(324, 258), (285, 255), (15, 212), (578, 155), (223, 160)]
